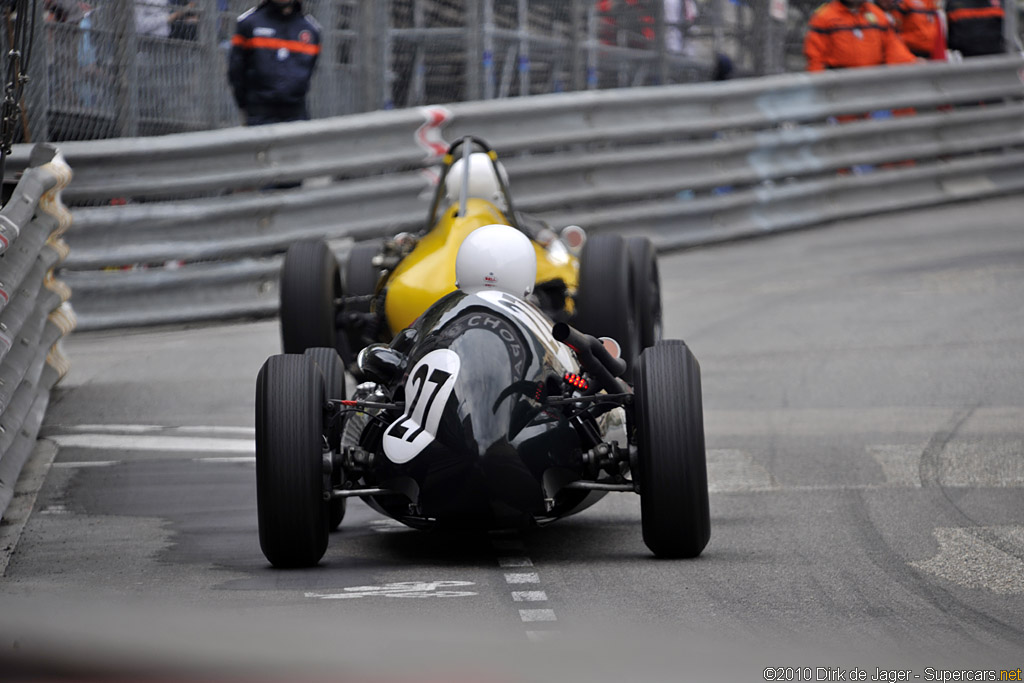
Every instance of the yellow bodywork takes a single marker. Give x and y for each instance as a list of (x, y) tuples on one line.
[(428, 272)]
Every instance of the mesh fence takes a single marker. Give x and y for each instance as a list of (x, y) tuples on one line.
[(120, 68)]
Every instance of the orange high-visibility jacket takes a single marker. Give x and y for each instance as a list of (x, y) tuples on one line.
[(917, 22), (839, 38)]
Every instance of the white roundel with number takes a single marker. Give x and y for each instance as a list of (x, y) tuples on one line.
[(427, 391)]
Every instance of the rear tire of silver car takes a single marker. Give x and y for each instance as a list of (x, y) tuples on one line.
[(647, 289), (310, 286), (334, 385), (604, 296), (673, 478), (360, 277), (292, 513)]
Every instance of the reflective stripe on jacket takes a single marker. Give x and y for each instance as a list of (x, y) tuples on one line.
[(975, 27), (273, 56)]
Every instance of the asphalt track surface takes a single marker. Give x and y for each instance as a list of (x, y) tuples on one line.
[(864, 409)]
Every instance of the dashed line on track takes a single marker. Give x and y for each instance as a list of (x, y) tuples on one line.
[(512, 555)]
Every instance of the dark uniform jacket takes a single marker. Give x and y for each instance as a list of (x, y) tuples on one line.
[(975, 27), (272, 59)]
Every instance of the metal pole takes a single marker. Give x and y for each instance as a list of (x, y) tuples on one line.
[(473, 50), (524, 48), (325, 90), (577, 63), (370, 67), (36, 94), (488, 49), (1010, 37), (209, 70), (661, 46), (382, 24), (126, 56), (417, 87), (592, 57)]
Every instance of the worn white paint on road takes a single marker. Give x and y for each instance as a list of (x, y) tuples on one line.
[(402, 589), (143, 442), (977, 557)]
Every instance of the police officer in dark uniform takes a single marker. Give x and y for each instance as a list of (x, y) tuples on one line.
[(273, 55), (975, 27)]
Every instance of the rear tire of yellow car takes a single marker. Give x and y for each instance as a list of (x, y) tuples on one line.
[(647, 289), (605, 298), (291, 511), (310, 286), (334, 386), (360, 277), (671, 457)]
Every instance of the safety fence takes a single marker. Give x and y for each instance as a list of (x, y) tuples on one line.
[(186, 227), (34, 310), (98, 73)]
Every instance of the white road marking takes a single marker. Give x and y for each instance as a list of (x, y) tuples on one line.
[(84, 463), (968, 557), (149, 429), (985, 421), (532, 577), (901, 463), (736, 470), (537, 636), (387, 526), (403, 589), (963, 463), (238, 459), (54, 510), (529, 596), (138, 442), (515, 562), (537, 615)]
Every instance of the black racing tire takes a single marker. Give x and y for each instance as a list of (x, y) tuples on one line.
[(334, 385), (604, 296), (360, 278), (671, 457), (292, 513), (310, 288), (647, 289)]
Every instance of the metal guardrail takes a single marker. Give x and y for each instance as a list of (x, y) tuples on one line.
[(683, 164), (34, 310)]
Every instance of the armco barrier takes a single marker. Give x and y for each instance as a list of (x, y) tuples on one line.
[(34, 310), (685, 165)]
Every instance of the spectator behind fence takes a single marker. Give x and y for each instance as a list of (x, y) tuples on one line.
[(852, 33), (273, 54), (975, 27), (918, 24), (152, 18), (184, 20)]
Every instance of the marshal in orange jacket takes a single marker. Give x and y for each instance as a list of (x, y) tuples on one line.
[(918, 24), (840, 37)]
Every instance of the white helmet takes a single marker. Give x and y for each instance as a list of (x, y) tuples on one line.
[(497, 257), (483, 184)]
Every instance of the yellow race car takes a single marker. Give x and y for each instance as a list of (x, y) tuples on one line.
[(604, 286)]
